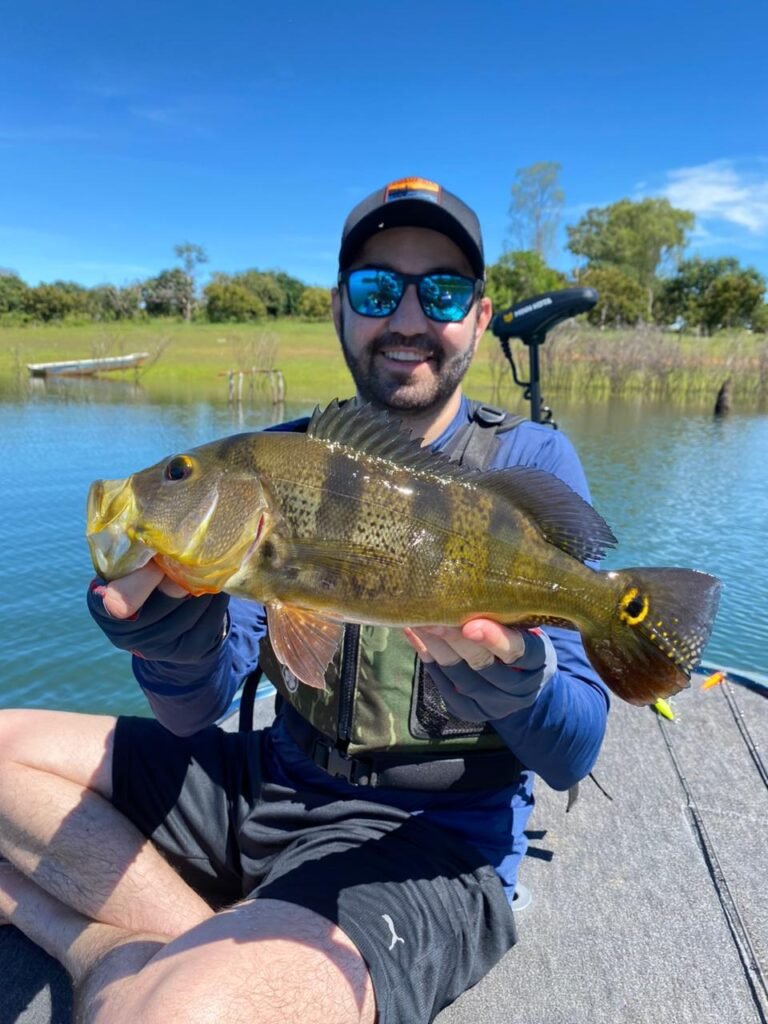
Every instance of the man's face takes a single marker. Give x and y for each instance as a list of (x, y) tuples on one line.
[(406, 361)]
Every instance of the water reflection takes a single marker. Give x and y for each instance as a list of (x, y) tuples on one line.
[(85, 389)]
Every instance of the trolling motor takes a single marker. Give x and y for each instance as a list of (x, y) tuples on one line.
[(530, 320)]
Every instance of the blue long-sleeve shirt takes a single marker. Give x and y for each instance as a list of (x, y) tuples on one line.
[(558, 737)]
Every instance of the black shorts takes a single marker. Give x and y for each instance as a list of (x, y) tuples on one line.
[(428, 915)]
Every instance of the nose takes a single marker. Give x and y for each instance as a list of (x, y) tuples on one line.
[(408, 318)]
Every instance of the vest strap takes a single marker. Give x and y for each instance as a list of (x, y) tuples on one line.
[(475, 443), (435, 773)]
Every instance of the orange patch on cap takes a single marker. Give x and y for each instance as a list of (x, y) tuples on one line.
[(400, 189)]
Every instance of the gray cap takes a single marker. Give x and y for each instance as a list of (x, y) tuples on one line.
[(413, 203)]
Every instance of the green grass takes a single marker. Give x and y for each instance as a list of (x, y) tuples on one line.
[(189, 362)]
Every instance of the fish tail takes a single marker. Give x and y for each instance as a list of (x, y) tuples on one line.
[(653, 638)]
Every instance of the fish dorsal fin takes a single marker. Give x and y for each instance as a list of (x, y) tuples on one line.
[(561, 515), (381, 436)]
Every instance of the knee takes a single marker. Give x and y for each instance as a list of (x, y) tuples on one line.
[(170, 1003), (16, 726), (75, 746), (269, 997), (197, 980)]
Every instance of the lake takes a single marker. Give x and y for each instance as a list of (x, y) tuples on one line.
[(677, 487)]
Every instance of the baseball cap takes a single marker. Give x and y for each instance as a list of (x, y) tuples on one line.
[(413, 203)]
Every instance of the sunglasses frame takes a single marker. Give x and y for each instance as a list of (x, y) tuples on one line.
[(478, 286)]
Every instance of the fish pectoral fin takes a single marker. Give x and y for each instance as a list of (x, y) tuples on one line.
[(303, 641)]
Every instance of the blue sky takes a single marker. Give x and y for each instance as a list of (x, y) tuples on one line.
[(252, 128)]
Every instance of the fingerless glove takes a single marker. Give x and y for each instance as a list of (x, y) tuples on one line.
[(492, 693), (181, 630)]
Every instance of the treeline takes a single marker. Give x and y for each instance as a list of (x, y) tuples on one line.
[(705, 295), (631, 252), (250, 295)]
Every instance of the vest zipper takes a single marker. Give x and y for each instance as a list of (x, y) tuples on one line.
[(350, 653)]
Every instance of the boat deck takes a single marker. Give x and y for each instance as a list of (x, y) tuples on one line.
[(649, 908)]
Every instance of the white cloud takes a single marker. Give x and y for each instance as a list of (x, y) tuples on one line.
[(720, 191)]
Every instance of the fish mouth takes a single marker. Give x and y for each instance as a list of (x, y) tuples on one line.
[(115, 548), (107, 500)]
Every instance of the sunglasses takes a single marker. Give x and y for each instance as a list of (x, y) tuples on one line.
[(377, 292)]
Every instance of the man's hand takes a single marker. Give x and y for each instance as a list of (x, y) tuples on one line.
[(485, 671), (478, 642), (152, 617), (122, 598)]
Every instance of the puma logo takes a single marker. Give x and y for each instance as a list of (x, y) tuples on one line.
[(395, 937)]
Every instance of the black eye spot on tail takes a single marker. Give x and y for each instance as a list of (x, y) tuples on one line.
[(179, 468), (633, 607)]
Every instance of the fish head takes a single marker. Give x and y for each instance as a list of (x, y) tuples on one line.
[(199, 514)]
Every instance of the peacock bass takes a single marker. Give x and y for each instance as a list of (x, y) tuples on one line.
[(354, 521)]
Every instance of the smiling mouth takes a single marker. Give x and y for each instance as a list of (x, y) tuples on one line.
[(399, 355)]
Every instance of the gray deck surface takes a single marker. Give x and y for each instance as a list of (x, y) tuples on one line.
[(651, 908)]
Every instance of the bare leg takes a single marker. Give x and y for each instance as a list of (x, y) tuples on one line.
[(58, 827), (263, 960), (107, 902), (72, 939)]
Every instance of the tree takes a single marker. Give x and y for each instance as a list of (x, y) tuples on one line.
[(537, 201), (265, 286), (518, 275), (12, 292), (108, 302), (760, 319), (226, 300), (732, 300), (191, 256), (710, 294), (55, 301), (622, 300), (638, 238), (168, 294), (292, 289), (315, 304)]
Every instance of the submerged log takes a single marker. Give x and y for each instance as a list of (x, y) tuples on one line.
[(723, 401)]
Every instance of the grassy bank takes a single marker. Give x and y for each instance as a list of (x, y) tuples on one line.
[(190, 361)]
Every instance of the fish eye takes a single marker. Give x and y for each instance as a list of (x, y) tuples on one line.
[(179, 468)]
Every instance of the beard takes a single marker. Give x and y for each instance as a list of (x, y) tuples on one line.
[(385, 388)]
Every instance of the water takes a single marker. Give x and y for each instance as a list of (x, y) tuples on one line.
[(681, 488), (677, 488)]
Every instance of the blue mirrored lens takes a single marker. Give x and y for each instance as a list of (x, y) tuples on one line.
[(374, 292), (446, 297)]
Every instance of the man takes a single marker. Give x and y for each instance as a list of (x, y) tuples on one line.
[(356, 861)]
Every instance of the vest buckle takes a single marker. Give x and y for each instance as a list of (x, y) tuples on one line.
[(489, 415), (356, 770)]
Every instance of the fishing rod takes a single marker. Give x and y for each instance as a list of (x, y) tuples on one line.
[(530, 321)]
